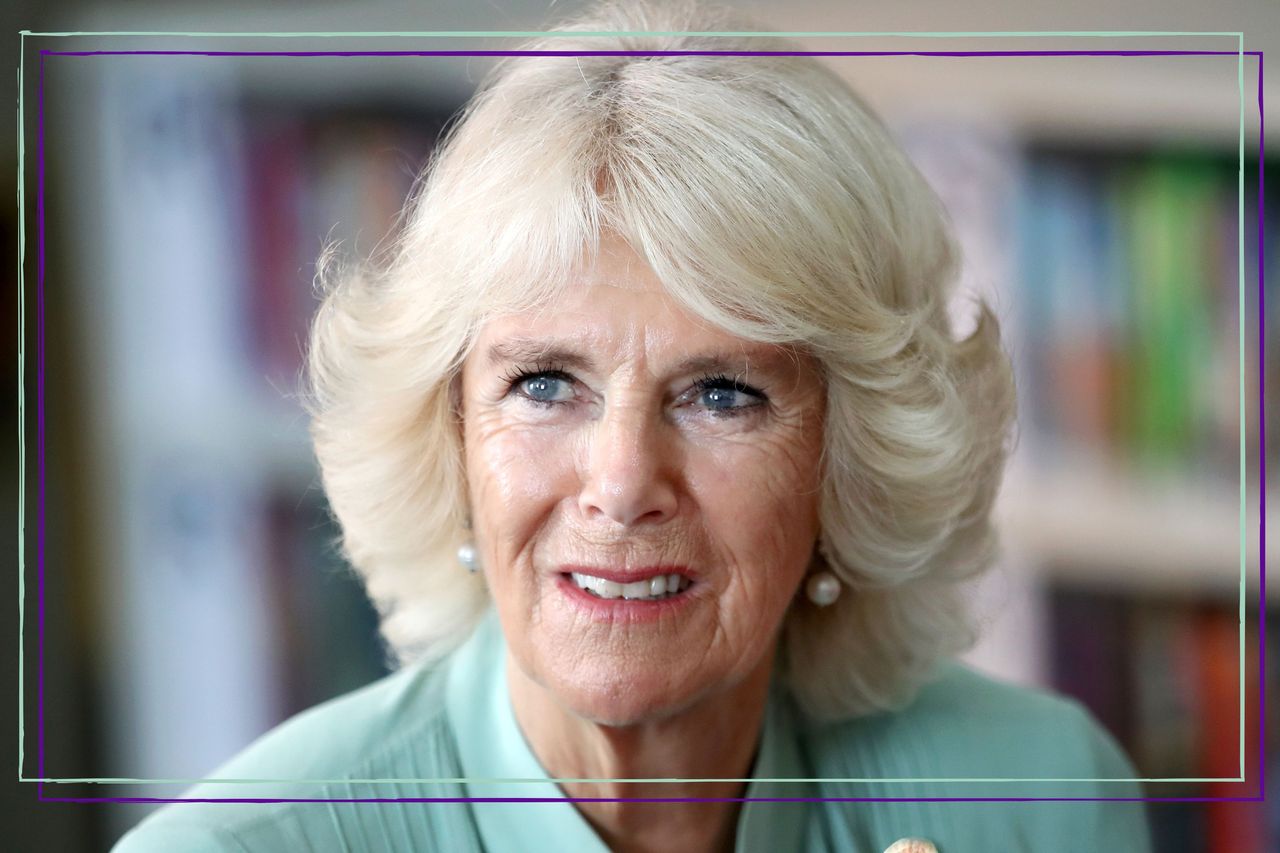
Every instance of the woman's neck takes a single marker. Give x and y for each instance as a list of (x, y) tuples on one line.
[(715, 738)]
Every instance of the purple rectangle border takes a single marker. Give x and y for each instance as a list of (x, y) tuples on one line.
[(40, 417)]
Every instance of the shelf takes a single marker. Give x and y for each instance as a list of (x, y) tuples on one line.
[(1083, 524), (1153, 101)]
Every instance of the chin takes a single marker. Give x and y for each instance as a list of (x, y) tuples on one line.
[(612, 700)]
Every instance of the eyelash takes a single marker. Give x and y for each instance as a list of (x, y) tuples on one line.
[(518, 375)]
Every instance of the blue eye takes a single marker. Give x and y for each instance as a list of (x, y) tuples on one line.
[(720, 398), (720, 392), (542, 386)]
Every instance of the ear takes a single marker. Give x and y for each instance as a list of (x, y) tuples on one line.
[(457, 413), (455, 397)]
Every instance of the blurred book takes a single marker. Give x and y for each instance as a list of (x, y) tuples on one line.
[(1130, 266), (1163, 675), (317, 180)]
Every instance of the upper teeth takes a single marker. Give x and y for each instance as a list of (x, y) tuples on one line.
[(656, 587)]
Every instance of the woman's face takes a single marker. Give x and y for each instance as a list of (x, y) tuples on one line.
[(611, 440)]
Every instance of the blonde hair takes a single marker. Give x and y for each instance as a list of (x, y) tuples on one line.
[(772, 203)]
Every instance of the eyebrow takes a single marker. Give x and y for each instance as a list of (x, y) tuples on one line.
[(533, 350)]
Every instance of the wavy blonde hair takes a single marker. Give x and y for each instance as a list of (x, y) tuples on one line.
[(772, 203)]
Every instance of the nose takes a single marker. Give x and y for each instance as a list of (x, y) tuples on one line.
[(628, 475)]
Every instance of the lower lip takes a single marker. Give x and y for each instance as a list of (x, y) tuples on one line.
[(624, 609)]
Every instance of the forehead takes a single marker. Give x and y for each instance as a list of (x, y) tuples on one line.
[(616, 308)]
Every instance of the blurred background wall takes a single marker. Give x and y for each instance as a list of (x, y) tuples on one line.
[(192, 594)]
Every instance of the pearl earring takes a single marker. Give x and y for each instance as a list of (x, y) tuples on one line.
[(468, 556), (822, 588)]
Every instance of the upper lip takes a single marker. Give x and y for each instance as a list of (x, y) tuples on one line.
[(640, 573)]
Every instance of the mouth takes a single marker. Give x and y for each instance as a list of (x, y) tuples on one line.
[(657, 587)]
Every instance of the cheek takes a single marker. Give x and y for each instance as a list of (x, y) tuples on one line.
[(756, 493), (760, 505), (515, 476)]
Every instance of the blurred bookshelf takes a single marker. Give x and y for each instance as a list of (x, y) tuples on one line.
[(1140, 506), (1128, 512), (1135, 386), (217, 602), (1109, 256)]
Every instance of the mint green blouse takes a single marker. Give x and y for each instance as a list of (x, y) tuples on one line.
[(453, 721)]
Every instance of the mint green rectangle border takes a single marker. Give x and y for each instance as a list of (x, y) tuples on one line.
[(1238, 35)]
